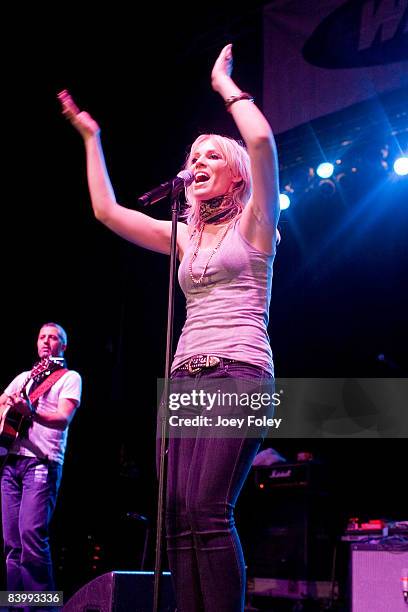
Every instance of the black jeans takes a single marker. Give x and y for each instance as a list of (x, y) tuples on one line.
[(205, 477)]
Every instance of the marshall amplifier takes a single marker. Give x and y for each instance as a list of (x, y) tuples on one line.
[(287, 529), (306, 474)]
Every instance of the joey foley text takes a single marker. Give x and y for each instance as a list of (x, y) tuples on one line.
[(198, 401)]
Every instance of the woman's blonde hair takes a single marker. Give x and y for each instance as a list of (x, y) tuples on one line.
[(237, 159)]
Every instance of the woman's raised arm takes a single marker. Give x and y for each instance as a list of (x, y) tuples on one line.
[(260, 217), (129, 224)]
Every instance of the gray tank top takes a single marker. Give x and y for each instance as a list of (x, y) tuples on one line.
[(228, 313)]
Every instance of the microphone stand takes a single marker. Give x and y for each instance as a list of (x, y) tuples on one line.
[(175, 210)]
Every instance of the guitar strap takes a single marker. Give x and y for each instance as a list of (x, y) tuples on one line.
[(46, 384)]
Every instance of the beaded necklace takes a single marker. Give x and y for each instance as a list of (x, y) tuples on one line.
[(198, 281)]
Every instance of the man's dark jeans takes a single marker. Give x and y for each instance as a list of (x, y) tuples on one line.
[(29, 489)]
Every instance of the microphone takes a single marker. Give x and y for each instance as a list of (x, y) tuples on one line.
[(174, 186), (137, 516)]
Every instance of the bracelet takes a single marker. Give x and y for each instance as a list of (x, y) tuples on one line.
[(242, 96)]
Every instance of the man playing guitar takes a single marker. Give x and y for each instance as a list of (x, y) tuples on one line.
[(36, 410)]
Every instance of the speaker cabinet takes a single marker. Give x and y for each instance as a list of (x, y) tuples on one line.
[(286, 532), (376, 578), (122, 592)]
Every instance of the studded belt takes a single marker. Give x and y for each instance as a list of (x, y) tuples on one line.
[(200, 362)]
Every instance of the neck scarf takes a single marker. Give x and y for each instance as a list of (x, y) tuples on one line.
[(218, 210)]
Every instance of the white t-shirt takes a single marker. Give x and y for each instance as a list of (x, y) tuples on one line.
[(41, 441)]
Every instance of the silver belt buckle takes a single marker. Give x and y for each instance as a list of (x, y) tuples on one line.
[(193, 369), (210, 362)]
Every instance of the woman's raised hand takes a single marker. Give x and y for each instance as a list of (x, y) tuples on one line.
[(222, 67), (81, 120)]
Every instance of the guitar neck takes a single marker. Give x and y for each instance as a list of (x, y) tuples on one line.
[(42, 369), (22, 388)]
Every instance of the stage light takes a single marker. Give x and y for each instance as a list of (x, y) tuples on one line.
[(325, 170), (401, 166), (284, 200)]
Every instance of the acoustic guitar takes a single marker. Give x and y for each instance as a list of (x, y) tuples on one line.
[(12, 423)]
